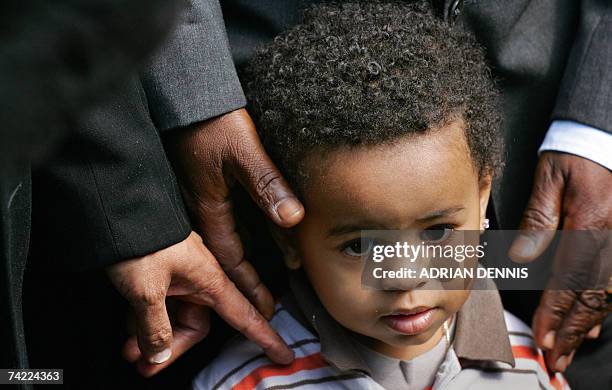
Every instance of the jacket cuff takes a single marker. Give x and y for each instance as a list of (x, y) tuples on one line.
[(580, 140)]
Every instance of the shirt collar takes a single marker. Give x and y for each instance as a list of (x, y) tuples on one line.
[(480, 331)]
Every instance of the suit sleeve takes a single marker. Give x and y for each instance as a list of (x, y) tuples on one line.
[(110, 194), (585, 95), (192, 77)]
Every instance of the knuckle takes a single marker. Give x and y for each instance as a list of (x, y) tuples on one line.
[(559, 303), (253, 322), (216, 286), (195, 239), (594, 300), (148, 298), (210, 204), (160, 338), (238, 152), (266, 181), (588, 217), (536, 218), (548, 173), (236, 268), (258, 290), (574, 279), (247, 280), (570, 336), (229, 251), (255, 319), (573, 332)]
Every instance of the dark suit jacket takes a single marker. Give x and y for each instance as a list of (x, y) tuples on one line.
[(110, 194), (58, 59)]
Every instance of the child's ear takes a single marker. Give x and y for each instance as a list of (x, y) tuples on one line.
[(484, 195), (286, 241)]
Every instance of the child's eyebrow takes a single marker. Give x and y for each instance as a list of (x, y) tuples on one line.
[(367, 225), (441, 213), (340, 230)]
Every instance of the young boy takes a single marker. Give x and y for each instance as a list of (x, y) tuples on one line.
[(381, 117)]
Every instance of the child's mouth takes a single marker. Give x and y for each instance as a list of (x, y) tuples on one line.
[(412, 321)]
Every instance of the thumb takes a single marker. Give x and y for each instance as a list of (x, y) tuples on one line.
[(262, 179), (154, 332), (542, 214)]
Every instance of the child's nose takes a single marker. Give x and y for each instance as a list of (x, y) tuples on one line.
[(402, 284)]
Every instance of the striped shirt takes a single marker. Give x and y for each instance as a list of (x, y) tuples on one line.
[(326, 357)]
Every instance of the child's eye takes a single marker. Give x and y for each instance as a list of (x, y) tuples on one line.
[(357, 247), (437, 233)]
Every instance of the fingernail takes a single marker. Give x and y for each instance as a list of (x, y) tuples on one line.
[(549, 340), (161, 357), (288, 208), (561, 364), (522, 249)]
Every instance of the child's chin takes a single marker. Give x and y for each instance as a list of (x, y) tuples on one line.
[(414, 339)]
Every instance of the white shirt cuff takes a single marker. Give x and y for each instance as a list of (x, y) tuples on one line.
[(581, 140)]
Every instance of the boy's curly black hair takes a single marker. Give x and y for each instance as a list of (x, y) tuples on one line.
[(366, 73)]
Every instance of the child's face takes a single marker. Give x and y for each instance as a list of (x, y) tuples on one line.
[(419, 182)]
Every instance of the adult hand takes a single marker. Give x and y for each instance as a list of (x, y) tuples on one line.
[(208, 159), (187, 275), (574, 193)]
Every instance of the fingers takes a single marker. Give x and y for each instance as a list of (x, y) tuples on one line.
[(258, 174), (154, 332), (568, 337), (252, 325), (224, 298), (585, 315), (208, 158), (212, 287), (554, 305), (218, 229), (563, 319), (574, 304), (191, 325), (144, 283), (246, 279), (542, 214)]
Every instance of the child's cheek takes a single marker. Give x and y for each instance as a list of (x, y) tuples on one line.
[(334, 280), (338, 286), (356, 311)]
